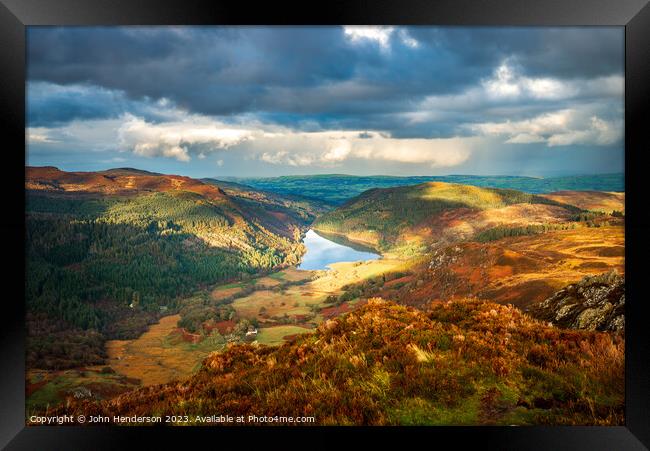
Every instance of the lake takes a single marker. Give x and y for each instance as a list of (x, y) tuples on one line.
[(322, 252)]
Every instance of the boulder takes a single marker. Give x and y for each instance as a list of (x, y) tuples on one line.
[(593, 303)]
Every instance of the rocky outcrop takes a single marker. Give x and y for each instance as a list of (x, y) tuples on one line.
[(594, 303)]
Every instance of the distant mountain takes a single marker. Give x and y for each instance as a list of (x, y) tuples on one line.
[(128, 171), (338, 188)]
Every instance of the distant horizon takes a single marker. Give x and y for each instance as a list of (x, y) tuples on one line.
[(331, 174)]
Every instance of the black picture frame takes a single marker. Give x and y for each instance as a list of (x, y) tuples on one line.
[(634, 15)]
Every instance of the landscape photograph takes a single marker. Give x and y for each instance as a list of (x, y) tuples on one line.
[(324, 226)]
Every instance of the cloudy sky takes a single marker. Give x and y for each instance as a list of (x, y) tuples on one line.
[(265, 101)]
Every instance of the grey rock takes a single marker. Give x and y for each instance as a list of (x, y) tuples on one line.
[(594, 303)]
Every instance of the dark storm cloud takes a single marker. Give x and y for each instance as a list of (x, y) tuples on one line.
[(50, 105), (206, 70), (182, 93), (577, 52), (223, 71)]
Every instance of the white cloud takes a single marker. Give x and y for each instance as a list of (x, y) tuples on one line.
[(333, 147), (560, 128), (278, 157), (338, 150), (380, 35), (408, 40), (97, 135), (195, 136), (594, 115), (39, 135), (179, 139), (508, 82), (507, 87), (599, 132)]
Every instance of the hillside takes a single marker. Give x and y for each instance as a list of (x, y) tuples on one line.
[(519, 270), (591, 200), (460, 241), (338, 188), (465, 269), (296, 207), (462, 362), (105, 251), (408, 218)]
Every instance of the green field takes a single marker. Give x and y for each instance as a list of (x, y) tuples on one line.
[(275, 335)]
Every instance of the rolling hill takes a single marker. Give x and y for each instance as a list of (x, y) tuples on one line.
[(106, 250), (463, 241), (591, 200), (403, 218)]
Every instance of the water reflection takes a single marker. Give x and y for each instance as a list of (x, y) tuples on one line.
[(322, 252)]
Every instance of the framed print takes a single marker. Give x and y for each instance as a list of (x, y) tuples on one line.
[(370, 219)]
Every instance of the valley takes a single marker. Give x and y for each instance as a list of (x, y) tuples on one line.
[(440, 244), (340, 225)]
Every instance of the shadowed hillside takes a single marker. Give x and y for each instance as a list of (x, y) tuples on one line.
[(273, 207)]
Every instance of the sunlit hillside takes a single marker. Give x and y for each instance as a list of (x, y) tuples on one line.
[(462, 362), (399, 219)]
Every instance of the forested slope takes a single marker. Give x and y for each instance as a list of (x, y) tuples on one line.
[(105, 251)]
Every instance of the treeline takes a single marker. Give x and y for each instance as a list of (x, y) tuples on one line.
[(109, 264), (198, 310), (54, 344), (598, 218), (496, 233), (71, 265)]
